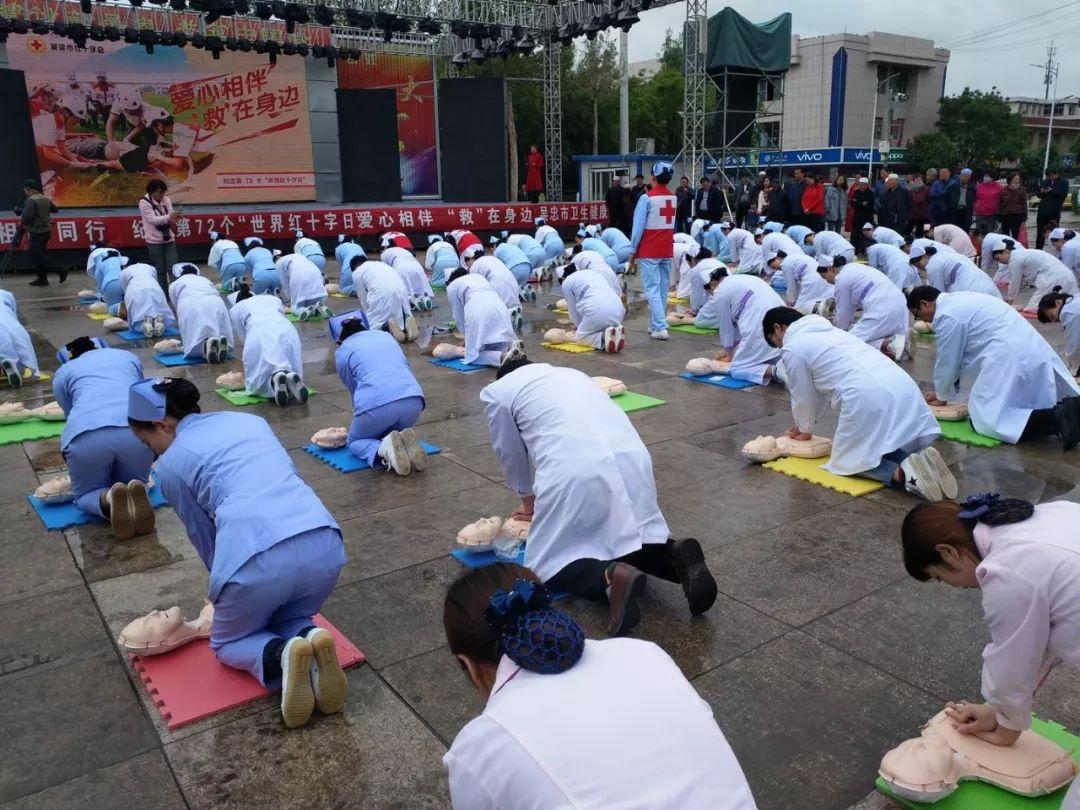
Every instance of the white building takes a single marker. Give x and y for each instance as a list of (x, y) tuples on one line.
[(1036, 115)]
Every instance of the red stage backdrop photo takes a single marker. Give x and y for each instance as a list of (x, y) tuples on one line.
[(108, 118), (412, 78)]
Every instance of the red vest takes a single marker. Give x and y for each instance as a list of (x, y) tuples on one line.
[(658, 240), (465, 239)]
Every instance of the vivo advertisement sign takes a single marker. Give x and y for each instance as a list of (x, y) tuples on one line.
[(802, 157), (830, 156)]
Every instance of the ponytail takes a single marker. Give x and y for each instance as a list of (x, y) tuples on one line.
[(1051, 300), (244, 293)]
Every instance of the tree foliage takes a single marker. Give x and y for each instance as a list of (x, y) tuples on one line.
[(981, 127), (931, 150)]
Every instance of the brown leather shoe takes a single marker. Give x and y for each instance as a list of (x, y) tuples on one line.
[(694, 576), (627, 586)]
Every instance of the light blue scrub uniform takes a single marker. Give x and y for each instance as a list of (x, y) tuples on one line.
[(273, 550), (655, 273), (385, 394), (617, 241), (516, 260), (601, 247), (107, 270), (798, 236), (315, 255), (716, 243), (98, 446), (344, 253), (264, 274), (553, 246), (446, 262), (233, 266), (534, 250)]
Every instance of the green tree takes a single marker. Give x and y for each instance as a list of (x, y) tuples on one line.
[(596, 75), (931, 150), (982, 127), (1031, 161)]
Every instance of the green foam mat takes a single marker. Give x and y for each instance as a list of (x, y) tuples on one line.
[(964, 433), (241, 398), (690, 329), (30, 430), (629, 401), (981, 796), (296, 318)]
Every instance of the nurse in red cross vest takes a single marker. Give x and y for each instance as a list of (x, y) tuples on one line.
[(652, 245)]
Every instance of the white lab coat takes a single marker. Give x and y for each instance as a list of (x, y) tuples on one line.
[(15, 342), (593, 479), (894, 263), (1070, 255), (952, 272), (887, 236), (699, 277), (780, 241), (884, 307), (143, 296), (1042, 271), (805, 286), (986, 260), (482, 317), (307, 248), (830, 243), (881, 407), (200, 312), (514, 756), (923, 242), (685, 239), (681, 268), (500, 278), (740, 303), (382, 294), (410, 270), (745, 252), (301, 280), (592, 304), (591, 260), (1015, 370), (956, 238), (1070, 321), (1030, 582), (271, 342)]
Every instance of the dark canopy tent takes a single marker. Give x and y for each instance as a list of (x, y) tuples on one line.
[(736, 42)]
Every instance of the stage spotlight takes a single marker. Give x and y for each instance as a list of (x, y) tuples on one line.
[(324, 15), (646, 5), (168, 39), (231, 44), (459, 29), (331, 55), (525, 45), (39, 27), (85, 7), (502, 49), (279, 9), (178, 5), (20, 27), (131, 36), (263, 11), (214, 45), (302, 49), (272, 50), (627, 17), (198, 40), (478, 56), (60, 29), (136, 3), (288, 49), (429, 26), (97, 33), (592, 28), (181, 39), (242, 6), (149, 38), (517, 32), (244, 45)]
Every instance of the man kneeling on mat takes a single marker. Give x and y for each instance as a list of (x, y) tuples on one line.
[(885, 427), (597, 529)]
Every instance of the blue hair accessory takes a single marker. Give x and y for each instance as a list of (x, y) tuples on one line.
[(977, 506), (993, 510), (531, 634)]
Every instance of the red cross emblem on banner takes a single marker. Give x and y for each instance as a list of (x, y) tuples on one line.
[(35, 44), (668, 212)]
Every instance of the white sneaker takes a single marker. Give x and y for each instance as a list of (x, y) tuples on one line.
[(159, 326), (148, 326), (297, 389), (280, 388), (921, 477), (945, 477), (827, 308), (392, 452), (517, 319), (428, 303), (223, 349), (515, 351), (416, 452), (211, 350), (324, 310), (412, 331), (660, 334), (614, 339), (304, 314), (328, 680), (297, 698), (11, 371)]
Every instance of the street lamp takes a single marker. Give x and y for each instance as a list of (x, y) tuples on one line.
[(873, 122)]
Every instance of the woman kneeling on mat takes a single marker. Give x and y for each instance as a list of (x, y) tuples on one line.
[(1026, 561), (272, 560), (557, 701)]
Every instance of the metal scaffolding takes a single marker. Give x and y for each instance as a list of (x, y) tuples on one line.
[(695, 31), (553, 118)]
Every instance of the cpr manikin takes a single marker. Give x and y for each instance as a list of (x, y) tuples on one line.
[(930, 767), (610, 386), (55, 490), (169, 346), (703, 366), (330, 438), (231, 381), (161, 631), (495, 533), (767, 448)]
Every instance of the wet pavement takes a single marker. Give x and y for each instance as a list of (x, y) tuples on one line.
[(820, 654)]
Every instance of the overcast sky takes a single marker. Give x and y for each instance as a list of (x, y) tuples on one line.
[(1000, 59)]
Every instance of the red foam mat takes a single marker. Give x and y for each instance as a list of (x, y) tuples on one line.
[(190, 684)]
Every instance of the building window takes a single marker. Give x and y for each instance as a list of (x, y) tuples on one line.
[(892, 79), (877, 128), (896, 132)]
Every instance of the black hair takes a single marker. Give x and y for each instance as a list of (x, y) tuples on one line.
[(779, 255), (188, 269), (181, 399), (461, 272), (351, 327), (664, 177), (929, 525), (927, 251), (839, 261), (575, 250), (568, 269), (920, 294), (717, 274), (1006, 244), (157, 184), (512, 365), (356, 261), (1049, 301), (244, 293), (1068, 235), (778, 316), (702, 254), (80, 346)]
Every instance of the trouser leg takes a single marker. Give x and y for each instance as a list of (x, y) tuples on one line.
[(887, 467), (39, 254), (1040, 423), (655, 278), (89, 461)]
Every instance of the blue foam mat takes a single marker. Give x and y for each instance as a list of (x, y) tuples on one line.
[(719, 380), (58, 516), (174, 360), (459, 365), (131, 334), (482, 559), (344, 461)]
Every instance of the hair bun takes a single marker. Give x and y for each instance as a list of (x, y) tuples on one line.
[(531, 634)]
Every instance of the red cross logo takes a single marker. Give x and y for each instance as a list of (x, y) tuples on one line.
[(35, 44), (668, 212)]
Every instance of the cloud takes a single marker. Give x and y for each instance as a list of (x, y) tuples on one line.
[(1004, 62)]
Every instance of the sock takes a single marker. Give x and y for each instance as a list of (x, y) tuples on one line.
[(272, 660)]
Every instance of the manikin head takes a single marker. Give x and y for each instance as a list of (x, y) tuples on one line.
[(922, 303), (776, 323), (485, 614), (1050, 306), (157, 406)]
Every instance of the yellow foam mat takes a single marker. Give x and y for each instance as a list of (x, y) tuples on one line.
[(809, 469), (573, 348), (97, 316), (561, 312), (674, 299), (28, 377)]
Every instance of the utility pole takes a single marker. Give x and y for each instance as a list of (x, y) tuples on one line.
[(1050, 77)]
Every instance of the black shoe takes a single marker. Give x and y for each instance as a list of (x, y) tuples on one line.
[(1067, 420), (627, 586), (39, 282), (63, 276), (694, 576)]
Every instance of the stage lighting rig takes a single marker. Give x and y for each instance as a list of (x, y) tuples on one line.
[(324, 15), (77, 33), (460, 59), (627, 17), (148, 38), (429, 26), (181, 39), (178, 5), (20, 27), (131, 36), (459, 29), (39, 27), (97, 33), (214, 45), (359, 19), (263, 11)]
